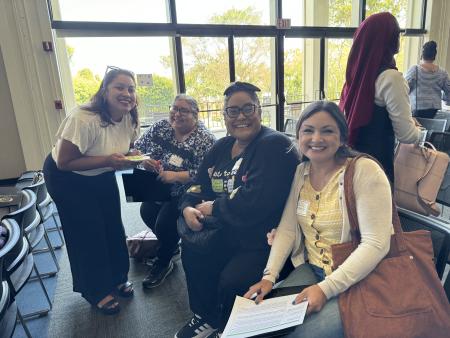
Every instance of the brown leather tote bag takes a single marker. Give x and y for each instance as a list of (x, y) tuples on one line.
[(402, 296)]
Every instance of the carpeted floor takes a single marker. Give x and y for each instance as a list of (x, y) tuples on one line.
[(150, 313)]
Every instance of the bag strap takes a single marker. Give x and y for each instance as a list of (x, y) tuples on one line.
[(351, 207), (417, 82), (430, 156)]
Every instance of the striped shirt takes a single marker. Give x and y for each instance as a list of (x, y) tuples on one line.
[(430, 86)]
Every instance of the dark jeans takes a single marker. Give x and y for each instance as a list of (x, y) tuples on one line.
[(214, 280), (162, 217), (425, 113), (89, 210)]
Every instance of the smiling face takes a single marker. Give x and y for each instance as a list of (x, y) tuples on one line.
[(243, 127), (182, 117), (319, 138), (120, 95)]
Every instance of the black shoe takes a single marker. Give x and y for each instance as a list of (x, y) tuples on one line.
[(158, 272), (196, 327)]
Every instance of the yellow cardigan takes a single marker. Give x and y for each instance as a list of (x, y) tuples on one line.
[(374, 209)]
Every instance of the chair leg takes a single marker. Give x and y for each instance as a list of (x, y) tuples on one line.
[(58, 228), (55, 260), (22, 321), (50, 305)]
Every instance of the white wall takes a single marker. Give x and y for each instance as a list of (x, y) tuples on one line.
[(11, 154)]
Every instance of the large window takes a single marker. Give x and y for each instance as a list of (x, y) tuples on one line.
[(207, 74), (407, 12), (337, 56), (325, 13), (253, 64), (89, 57), (230, 12), (110, 10)]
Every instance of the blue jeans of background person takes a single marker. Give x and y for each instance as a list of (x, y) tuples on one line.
[(323, 324)]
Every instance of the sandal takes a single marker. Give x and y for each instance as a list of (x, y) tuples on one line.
[(111, 307), (125, 290)]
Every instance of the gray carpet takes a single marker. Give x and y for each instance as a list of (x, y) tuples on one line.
[(159, 312)]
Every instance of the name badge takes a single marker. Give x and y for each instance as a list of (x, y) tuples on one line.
[(217, 185), (175, 160), (302, 207)]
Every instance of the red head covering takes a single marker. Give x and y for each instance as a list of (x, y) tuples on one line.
[(374, 44)]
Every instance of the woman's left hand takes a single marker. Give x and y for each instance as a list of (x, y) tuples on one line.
[(205, 207), (167, 176), (315, 296), (133, 152)]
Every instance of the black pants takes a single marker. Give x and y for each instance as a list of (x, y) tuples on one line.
[(425, 113), (162, 217), (214, 280), (89, 209)]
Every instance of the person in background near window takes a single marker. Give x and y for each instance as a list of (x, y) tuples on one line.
[(176, 146), (244, 182), (375, 95), (80, 175), (315, 217), (426, 82)]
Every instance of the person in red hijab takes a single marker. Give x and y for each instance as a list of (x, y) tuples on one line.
[(375, 95)]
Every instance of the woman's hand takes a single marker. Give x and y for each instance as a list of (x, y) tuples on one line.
[(205, 207), (192, 217), (119, 161), (261, 289), (271, 236), (134, 152), (167, 176), (152, 165), (315, 297)]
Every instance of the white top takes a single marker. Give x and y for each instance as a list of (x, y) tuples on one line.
[(374, 209), (83, 129), (392, 92)]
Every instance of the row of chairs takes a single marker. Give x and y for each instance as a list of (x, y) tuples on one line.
[(26, 230)]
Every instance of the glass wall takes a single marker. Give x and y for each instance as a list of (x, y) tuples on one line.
[(207, 75), (336, 64), (230, 12), (407, 12), (89, 57), (253, 62), (110, 10)]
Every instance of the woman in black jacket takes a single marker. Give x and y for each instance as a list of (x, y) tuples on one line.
[(243, 182)]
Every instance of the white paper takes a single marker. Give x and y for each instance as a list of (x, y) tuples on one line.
[(248, 319)]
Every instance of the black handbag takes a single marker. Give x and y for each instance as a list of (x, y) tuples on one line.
[(204, 241)]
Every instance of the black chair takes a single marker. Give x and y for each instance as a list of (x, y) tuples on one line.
[(43, 202), (34, 180), (17, 263), (432, 125), (8, 307), (440, 234), (289, 127), (33, 229)]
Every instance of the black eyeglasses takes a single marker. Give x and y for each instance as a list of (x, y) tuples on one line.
[(247, 109), (181, 110), (110, 68)]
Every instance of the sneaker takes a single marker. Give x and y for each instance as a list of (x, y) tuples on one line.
[(157, 273), (196, 327), (214, 334)]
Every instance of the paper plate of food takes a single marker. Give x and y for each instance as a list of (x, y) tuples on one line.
[(137, 158)]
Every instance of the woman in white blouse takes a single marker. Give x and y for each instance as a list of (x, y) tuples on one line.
[(315, 217), (80, 175)]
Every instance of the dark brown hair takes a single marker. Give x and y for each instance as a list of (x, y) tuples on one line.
[(98, 104)]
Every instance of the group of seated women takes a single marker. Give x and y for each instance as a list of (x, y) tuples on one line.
[(250, 182)]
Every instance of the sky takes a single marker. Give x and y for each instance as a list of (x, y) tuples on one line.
[(143, 54)]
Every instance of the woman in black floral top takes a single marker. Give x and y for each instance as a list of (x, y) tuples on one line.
[(176, 147)]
